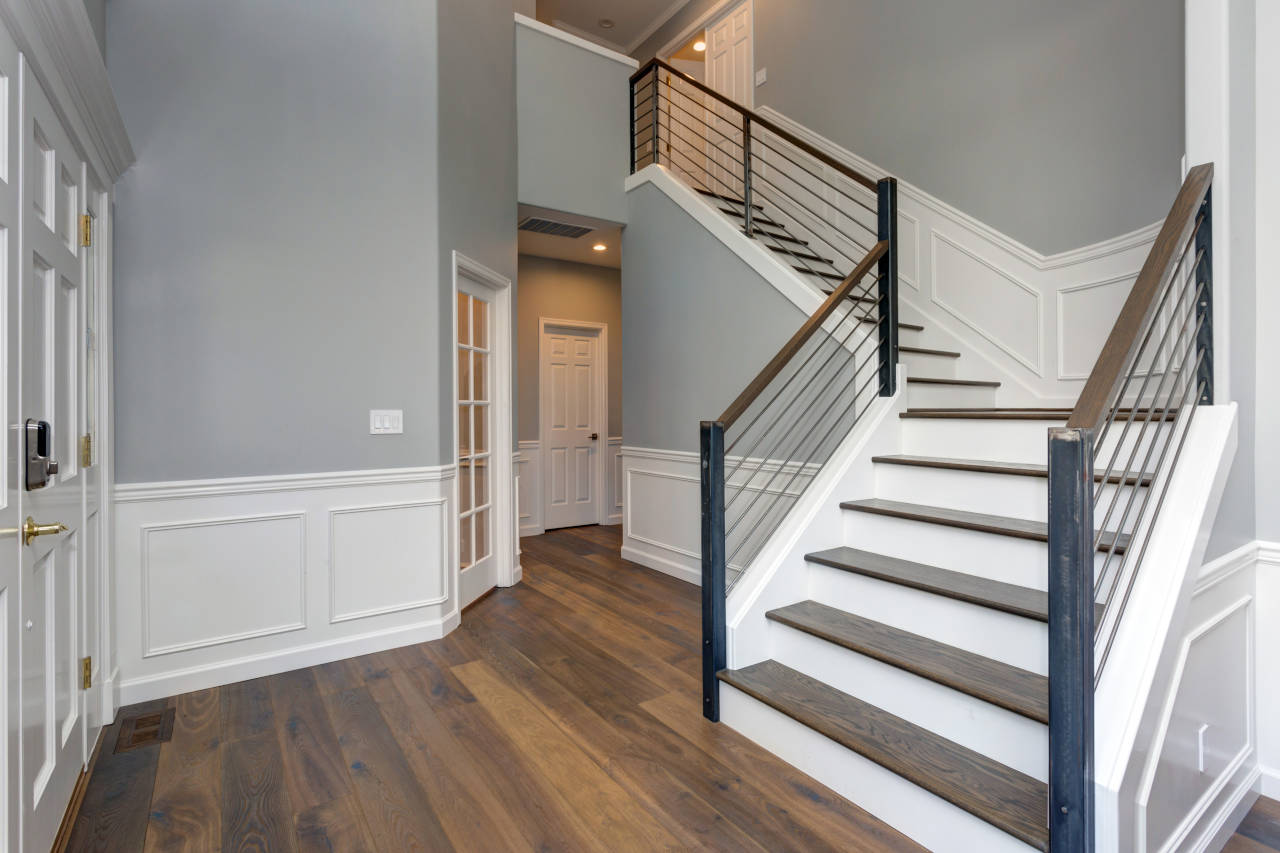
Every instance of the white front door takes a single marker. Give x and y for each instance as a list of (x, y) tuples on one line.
[(52, 335), (570, 434)]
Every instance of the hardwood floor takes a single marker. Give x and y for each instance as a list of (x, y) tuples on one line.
[(562, 715), (1260, 831)]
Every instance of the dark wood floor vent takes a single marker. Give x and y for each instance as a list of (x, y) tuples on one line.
[(145, 730)]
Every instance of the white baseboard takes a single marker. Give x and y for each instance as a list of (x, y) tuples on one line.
[(223, 580), (1269, 781), (651, 558), (254, 666)]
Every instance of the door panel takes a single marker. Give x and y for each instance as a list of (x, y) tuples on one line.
[(51, 390), (570, 435), (478, 568), (729, 72)]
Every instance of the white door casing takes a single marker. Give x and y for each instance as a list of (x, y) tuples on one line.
[(10, 494), (573, 417), (483, 396), (52, 351)]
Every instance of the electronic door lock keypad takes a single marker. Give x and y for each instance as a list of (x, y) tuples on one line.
[(38, 440)]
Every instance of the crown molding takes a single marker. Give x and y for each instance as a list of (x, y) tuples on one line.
[(57, 41)]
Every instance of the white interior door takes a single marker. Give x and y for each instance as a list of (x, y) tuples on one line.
[(92, 405), (730, 72), (478, 567), (10, 492), (570, 434), (52, 335)]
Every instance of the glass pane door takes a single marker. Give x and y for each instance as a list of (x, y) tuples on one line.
[(474, 510)]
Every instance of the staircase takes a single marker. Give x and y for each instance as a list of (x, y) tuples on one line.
[(936, 659)]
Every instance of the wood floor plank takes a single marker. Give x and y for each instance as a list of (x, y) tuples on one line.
[(185, 812), (256, 813), (637, 768), (1262, 823), (246, 709), (1244, 844), (336, 676), (337, 825), (400, 816), (817, 806), (590, 795), (314, 771), (114, 813), (433, 677)]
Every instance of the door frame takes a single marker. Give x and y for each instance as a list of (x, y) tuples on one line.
[(502, 408), (600, 413), (704, 22)]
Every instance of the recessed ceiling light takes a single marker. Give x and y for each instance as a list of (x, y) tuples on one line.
[(600, 247), (606, 23), (699, 46)]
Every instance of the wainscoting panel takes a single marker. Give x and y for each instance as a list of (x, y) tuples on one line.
[(223, 580)]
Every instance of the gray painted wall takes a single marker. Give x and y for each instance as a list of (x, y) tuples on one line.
[(1057, 123), (563, 290), (572, 107), (277, 264), (477, 166), (684, 359), (97, 10)]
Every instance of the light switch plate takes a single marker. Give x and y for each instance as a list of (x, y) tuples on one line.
[(386, 421), (761, 76)]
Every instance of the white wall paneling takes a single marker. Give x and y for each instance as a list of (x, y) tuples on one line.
[(223, 580), (1035, 321)]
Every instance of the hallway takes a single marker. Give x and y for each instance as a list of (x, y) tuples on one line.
[(562, 715)]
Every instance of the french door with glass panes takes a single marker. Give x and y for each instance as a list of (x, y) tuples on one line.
[(475, 423)]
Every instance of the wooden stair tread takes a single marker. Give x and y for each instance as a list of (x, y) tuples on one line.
[(991, 466), (730, 199), (997, 595), (830, 276), (1001, 525), (1005, 686), (910, 327), (765, 236), (1005, 798), (967, 383), (795, 253), (755, 220), (924, 351)]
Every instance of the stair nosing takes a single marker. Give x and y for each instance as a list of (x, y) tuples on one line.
[(1032, 793), (981, 522), (997, 595), (807, 256), (993, 466), (1033, 708), (926, 351), (966, 383)]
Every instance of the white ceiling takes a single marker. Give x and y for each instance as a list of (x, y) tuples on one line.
[(576, 249), (634, 20)]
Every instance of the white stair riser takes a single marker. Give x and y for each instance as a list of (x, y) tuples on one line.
[(1003, 440), (1007, 737), (925, 396), (998, 494), (1003, 558), (936, 366), (1015, 640), (928, 819)]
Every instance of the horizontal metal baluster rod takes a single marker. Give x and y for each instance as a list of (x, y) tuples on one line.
[(817, 217), (707, 125), (1124, 601), (765, 142), (732, 157), (823, 199)]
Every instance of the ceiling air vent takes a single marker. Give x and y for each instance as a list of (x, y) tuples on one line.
[(555, 229)]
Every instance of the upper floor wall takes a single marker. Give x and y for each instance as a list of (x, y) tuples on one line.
[(1059, 124), (572, 122)]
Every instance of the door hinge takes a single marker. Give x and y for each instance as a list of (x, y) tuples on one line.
[(86, 230), (86, 450), (86, 673)]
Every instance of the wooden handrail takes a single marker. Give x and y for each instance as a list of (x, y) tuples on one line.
[(788, 351), (756, 118), (1121, 346)]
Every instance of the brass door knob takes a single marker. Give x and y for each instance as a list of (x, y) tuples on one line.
[(30, 530)]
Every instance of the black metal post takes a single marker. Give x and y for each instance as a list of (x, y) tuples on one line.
[(657, 90), (746, 174), (887, 229), (1204, 305), (713, 630), (1071, 613)]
